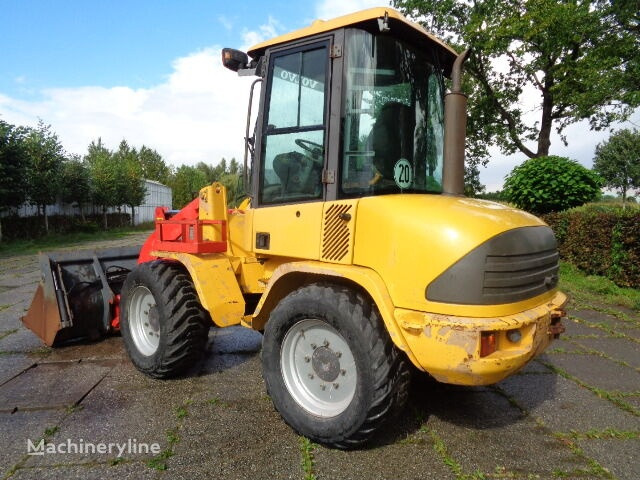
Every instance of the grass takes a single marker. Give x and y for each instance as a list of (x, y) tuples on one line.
[(609, 330), (455, 467), (181, 412), (594, 434), (604, 394), (8, 332), (50, 431), (216, 402), (582, 350), (159, 462), (592, 288), (306, 450), (441, 449), (595, 470), (74, 408), (56, 241)]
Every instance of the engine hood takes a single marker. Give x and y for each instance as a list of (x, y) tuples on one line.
[(411, 240)]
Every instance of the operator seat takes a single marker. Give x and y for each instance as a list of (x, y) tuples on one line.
[(296, 174), (391, 137)]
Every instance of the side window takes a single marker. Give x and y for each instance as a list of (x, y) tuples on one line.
[(293, 143)]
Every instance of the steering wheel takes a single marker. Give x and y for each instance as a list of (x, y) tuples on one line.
[(315, 149)]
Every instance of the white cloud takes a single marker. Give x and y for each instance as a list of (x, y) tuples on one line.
[(581, 146), (225, 22), (327, 9), (197, 114), (265, 32)]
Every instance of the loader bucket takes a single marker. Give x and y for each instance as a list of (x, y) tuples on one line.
[(77, 293)]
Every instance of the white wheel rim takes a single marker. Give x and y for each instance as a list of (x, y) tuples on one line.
[(144, 322), (318, 368)]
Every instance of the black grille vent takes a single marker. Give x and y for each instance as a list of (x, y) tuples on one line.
[(336, 234), (514, 266), (520, 276)]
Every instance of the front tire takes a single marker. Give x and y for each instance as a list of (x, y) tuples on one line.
[(332, 371), (164, 327)]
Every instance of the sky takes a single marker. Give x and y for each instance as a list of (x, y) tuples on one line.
[(149, 71)]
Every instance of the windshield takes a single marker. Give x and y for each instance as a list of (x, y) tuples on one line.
[(392, 119)]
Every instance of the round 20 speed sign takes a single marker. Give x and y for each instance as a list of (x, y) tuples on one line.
[(403, 173)]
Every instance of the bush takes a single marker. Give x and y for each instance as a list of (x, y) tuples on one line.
[(601, 239), (550, 184)]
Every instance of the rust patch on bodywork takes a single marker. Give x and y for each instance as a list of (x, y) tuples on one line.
[(448, 347)]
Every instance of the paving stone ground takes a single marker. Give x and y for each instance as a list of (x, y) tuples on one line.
[(572, 413)]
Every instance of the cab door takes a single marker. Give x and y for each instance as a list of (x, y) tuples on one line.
[(292, 154)]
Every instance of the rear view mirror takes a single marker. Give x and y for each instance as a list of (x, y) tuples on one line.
[(234, 59)]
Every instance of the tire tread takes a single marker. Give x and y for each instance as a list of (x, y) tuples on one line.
[(391, 378), (187, 321)]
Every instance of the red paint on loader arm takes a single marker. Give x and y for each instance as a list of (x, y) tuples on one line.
[(182, 232)]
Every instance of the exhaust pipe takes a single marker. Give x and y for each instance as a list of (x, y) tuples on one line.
[(455, 129)]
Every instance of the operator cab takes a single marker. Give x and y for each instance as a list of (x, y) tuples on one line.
[(350, 108)]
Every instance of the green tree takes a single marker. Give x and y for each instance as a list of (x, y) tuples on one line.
[(617, 161), (626, 16), (234, 167), (550, 184), (472, 185), (13, 167), (575, 55), (211, 173), (229, 174), (153, 165), (215, 173), (220, 169), (104, 177), (233, 184), (493, 196), (46, 156), (186, 182), (75, 183), (130, 188)]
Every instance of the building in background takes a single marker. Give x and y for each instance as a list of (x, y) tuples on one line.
[(158, 195)]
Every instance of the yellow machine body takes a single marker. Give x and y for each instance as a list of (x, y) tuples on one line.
[(392, 247), (439, 267)]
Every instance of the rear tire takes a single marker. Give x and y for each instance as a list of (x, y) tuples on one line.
[(164, 327), (330, 367)]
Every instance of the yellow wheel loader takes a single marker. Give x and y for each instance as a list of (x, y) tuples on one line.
[(355, 251)]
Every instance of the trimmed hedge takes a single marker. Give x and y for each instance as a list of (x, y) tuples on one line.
[(600, 240), (18, 228)]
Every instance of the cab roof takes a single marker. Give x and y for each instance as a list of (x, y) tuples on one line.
[(368, 19)]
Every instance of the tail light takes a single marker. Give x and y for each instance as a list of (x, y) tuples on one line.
[(488, 343)]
